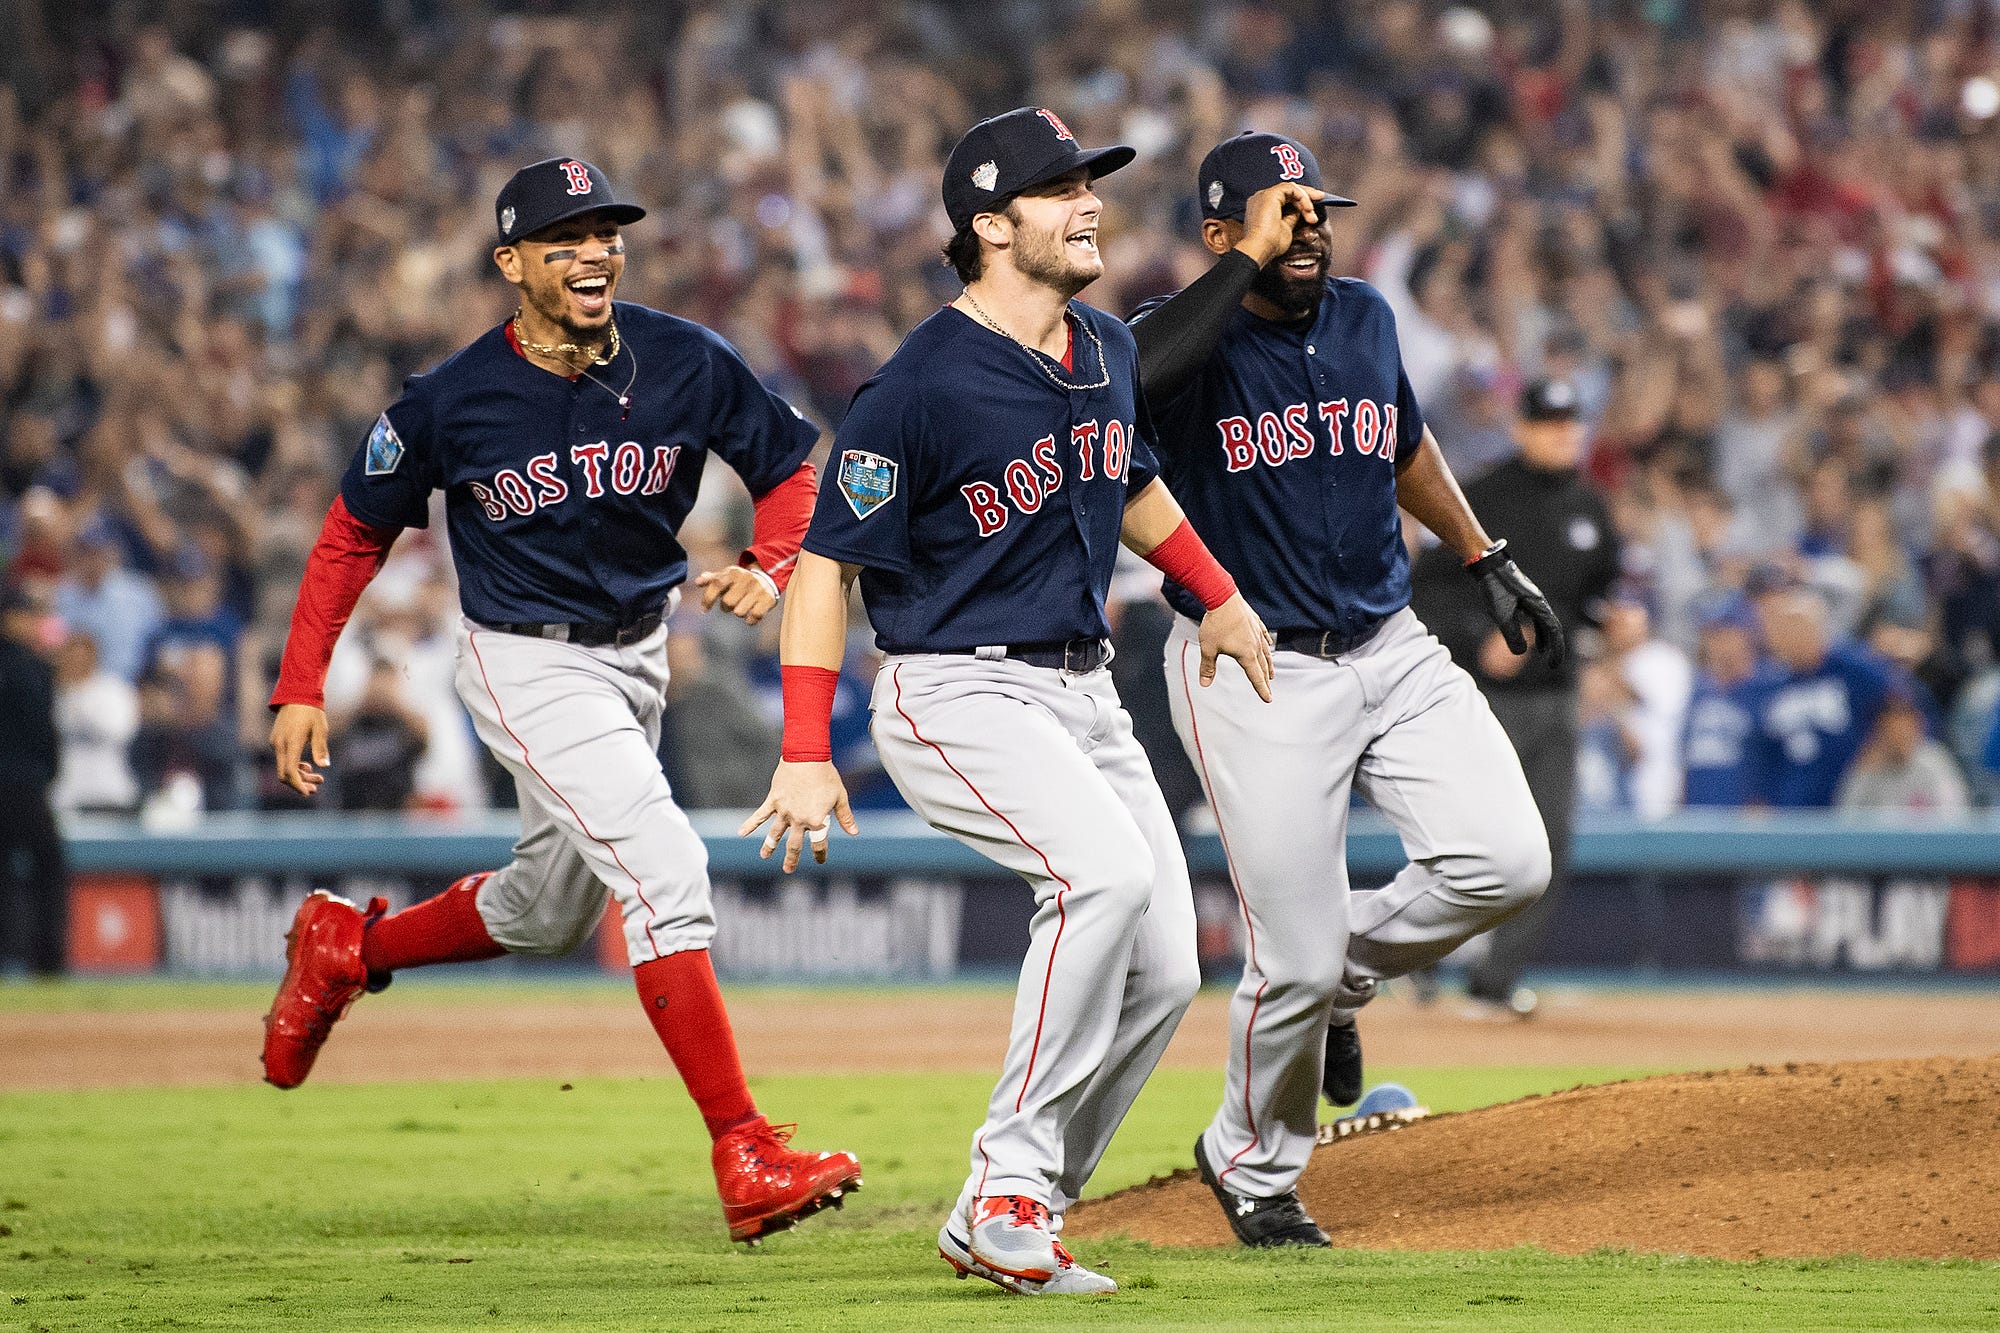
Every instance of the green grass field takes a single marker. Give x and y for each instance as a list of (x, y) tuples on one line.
[(529, 1205)]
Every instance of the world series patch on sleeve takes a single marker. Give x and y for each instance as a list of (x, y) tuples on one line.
[(867, 480)]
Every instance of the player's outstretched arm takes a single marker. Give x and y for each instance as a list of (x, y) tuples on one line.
[(1156, 529), (343, 560), (806, 790)]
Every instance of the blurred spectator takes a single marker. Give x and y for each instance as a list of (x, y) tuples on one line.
[(717, 745), (405, 619), (34, 883), (187, 693), (1716, 746), (1607, 751), (97, 714), (118, 609), (381, 740), (1902, 769), (1656, 679), (1972, 731), (1814, 706), (1759, 456)]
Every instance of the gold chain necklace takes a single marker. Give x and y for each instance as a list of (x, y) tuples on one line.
[(1042, 359), (564, 351)]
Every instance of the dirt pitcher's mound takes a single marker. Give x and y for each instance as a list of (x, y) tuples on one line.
[(1884, 1158)]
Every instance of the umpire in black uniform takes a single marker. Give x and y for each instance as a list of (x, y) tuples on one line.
[(34, 884), (1557, 526)]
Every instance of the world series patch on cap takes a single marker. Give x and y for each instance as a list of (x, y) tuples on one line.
[(999, 158), (555, 190), (867, 480)]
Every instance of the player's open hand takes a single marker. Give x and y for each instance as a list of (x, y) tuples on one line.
[(299, 730), (1272, 214), (745, 593), (803, 797), (1234, 630)]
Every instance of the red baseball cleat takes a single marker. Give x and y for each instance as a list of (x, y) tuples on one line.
[(323, 975), (766, 1187)]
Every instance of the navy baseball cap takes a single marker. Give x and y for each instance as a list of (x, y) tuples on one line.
[(554, 191), (1237, 168), (999, 158), (1549, 399)]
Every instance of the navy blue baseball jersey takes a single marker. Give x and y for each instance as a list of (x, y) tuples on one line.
[(561, 504), (982, 500), (1282, 450)]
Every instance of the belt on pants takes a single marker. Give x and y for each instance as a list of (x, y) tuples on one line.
[(1326, 643), (1077, 656), (589, 633)]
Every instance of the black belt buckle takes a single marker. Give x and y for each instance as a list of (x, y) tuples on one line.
[(1083, 656), (1327, 644), (637, 630)]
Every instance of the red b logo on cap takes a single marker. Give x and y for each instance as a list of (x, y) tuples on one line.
[(579, 177), (1062, 130), (1290, 167)]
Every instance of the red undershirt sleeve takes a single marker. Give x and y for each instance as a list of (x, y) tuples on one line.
[(343, 560), (1186, 559), (783, 514)]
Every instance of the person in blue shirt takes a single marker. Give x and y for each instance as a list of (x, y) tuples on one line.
[(1715, 743), (103, 597), (1813, 706), (188, 697)]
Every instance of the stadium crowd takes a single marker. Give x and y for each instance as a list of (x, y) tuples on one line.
[(1758, 238)]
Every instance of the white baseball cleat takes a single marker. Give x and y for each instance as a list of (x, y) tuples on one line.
[(1071, 1279)]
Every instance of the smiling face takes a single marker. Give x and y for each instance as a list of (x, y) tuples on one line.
[(1292, 284), (567, 274), (1296, 279), (1052, 238)]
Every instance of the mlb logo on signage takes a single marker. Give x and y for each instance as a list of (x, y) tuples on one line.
[(114, 924), (867, 480)]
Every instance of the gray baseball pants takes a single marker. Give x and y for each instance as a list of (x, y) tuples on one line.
[(1399, 722), (1038, 770)]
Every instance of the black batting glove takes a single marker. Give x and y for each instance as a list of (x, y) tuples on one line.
[(1513, 600)]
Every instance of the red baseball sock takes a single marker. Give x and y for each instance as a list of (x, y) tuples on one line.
[(685, 1007), (444, 929)]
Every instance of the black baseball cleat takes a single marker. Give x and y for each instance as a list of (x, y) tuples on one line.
[(1261, 1224), (1341, 1077)]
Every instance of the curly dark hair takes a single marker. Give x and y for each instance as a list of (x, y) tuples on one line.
[(962, 253)]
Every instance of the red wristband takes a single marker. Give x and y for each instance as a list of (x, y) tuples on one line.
[(1184, 559), (808, 694)]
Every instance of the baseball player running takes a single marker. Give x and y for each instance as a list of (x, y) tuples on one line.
[(1288, 430), (983, 481), (569, 442)]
